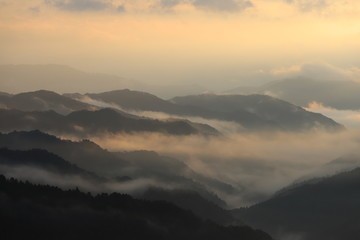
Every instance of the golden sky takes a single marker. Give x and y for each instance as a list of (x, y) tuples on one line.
[(167, 41)]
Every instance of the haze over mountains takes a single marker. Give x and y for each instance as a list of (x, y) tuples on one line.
[(300, 90), (54, 168), (43, 160), (42, 101), (143, 169), (61, 78), (201, 154), (180, 119), (342, 95), (81, 118), (103, 215), (116, 120), (251, 112), (84, 123), (324, 208), (253, 108)]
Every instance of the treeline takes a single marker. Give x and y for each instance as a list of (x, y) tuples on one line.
[(29, 211)]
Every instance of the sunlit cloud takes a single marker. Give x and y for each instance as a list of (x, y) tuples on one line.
[(318, 71), (195, 44), (348, 118)]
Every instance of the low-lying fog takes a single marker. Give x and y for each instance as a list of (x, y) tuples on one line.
[(262, 163), (256, 163)]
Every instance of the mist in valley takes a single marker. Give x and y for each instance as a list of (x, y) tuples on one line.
[(180, 119)]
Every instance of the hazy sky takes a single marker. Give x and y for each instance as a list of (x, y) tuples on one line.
[(214, 42)]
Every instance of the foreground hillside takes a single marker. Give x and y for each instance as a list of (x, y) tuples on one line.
[(43, 212), (325, 208)]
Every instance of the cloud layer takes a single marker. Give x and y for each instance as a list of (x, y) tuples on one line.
[(349, 118), (318, 71), (120, 6), (304, 6), (223, 5), (257, 165), (309, 5), (79, 5)]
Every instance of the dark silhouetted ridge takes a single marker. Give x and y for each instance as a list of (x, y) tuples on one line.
[(43, 159), (30, 211), (325, 208)]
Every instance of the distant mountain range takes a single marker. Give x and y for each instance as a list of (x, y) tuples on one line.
[(61, 78), (343, 95), (42, 101), (58, 78), (260, 111), (323, 208), (300, 90), (253, 112), (182, 194), (86, 123)]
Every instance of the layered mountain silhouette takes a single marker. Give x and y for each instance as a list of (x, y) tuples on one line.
[(45, 160), (138, 165), (179, 203), (251, 111), (174, 172), (53, 169), (302, 91), (42, 100), (323, 208), (62, 78), (136, 100), (89, 123), (260, 110), (85, 154), (58, 77), (43, 212)]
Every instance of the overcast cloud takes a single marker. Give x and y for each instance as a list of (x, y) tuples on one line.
[(223, 5), (309, 5), (79, 5)]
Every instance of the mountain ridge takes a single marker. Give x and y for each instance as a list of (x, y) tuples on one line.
[(284, 116), (324, 208), (341, 95)]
